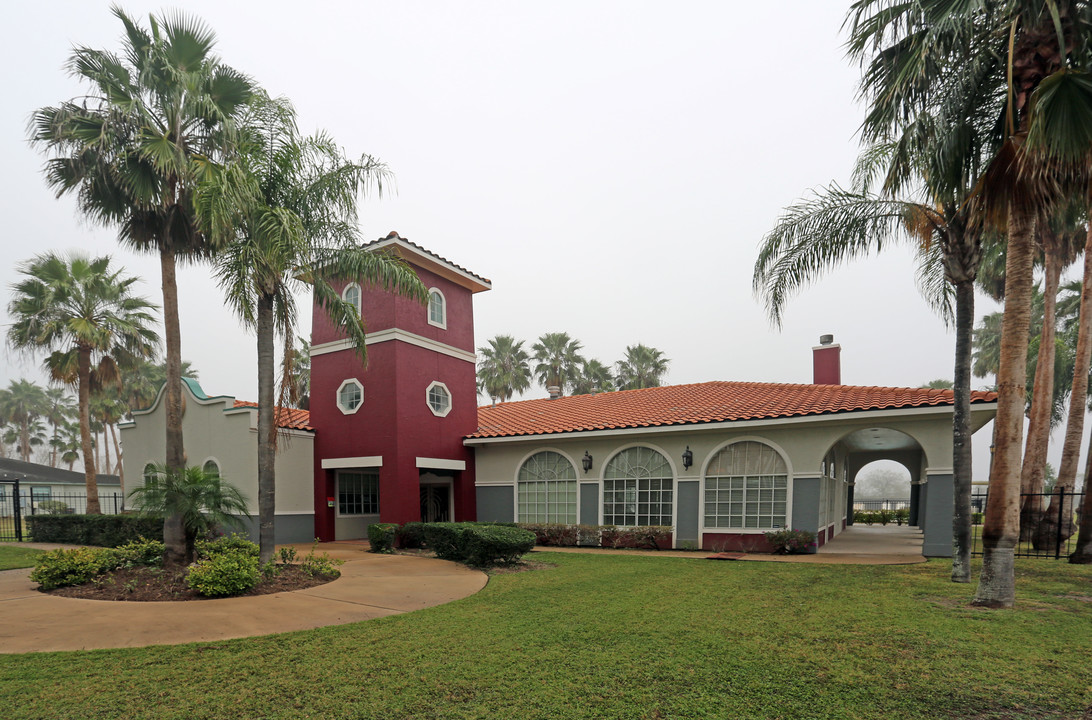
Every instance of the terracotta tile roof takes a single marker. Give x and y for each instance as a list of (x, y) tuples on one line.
[(708, 402), (288, 418)]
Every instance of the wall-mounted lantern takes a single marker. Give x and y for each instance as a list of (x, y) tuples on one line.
[(586, 461), (687, 458)]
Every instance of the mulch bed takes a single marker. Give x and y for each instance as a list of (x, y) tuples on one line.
[(153, 584)]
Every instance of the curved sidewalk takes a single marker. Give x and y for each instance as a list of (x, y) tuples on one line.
[(370, 586)]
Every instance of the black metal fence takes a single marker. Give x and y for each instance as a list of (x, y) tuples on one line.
[(1048, 524), (18, 502)]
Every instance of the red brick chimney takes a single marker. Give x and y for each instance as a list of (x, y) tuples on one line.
[(826, 360)]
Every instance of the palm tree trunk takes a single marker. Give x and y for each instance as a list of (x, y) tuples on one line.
[(1001, 524), (961, 433), (117, 454), (174, 536), (266, 431), (84, 392), (1074, 428), (1042, 399)]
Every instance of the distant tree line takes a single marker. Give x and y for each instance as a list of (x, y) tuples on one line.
[(506, 368)]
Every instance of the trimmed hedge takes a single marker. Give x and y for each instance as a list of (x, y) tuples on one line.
[(381, 536), (653, 537), (411, 535), (484, 546), (99, 530), (478, 544)]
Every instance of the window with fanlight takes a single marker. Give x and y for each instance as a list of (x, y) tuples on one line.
[(638, 488), (546, 489), (746, 487)]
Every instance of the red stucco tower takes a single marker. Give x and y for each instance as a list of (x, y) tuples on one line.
[(388, 441)]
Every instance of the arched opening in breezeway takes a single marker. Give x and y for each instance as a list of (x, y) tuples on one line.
[(881, 493)]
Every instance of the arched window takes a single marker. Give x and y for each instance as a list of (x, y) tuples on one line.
[(638, 488), (351, 295), (437, 308), (746, 486), (546, 489), (149, 472), (211, 468)]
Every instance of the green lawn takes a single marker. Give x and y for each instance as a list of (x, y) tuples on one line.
[(13, 556), (626, 637)]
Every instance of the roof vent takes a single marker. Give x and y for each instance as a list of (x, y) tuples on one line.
[(826, 339), (555, 392)]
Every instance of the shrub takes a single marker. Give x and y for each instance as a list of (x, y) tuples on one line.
[(902, 516), (139, 552), (381, 536), (444, 539), (587, 535), (226, 543), (654, 537), (976, 518), (790, 542), (61, 568), (884, 516), (411, 535), (320, 565), (99, 530), (224, 573), (54, 507), (490, 545)]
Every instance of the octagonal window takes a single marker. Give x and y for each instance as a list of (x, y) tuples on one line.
[(350, 396), (439, 399)]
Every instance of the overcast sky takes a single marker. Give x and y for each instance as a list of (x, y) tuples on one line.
[(610, 166)]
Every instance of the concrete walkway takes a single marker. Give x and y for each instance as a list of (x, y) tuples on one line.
[(370, 586)]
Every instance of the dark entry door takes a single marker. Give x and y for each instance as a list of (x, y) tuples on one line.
[(435, 503)]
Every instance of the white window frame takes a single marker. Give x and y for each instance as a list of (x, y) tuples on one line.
[(428, 399), (214, 461), (337, 398), (358, 304), (145, 474), (337, 489), (637, 490), (574, 480), (442, 322), (715, 529)]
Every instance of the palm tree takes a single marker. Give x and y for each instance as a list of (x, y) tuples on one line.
[(558, 358), (202, 500), (84, 314), (594, 377), (299, 230), (157, 123), (504, 368), (61, 408), (642, 367), (21, 405), (1061, 238), (836, 224), (296, 375), (990, 60)]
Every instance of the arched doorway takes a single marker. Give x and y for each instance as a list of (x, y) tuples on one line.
[(882, 493), (880, 457)]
